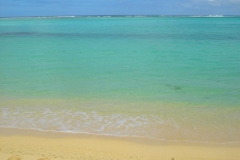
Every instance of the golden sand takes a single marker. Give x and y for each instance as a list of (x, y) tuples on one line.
[(36, 145)]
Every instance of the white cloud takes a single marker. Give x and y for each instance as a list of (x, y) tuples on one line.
[(218, 2)]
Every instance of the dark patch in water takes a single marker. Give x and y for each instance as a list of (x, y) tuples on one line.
[(174, 87), (138, 36), (177, 88), (206, 97)]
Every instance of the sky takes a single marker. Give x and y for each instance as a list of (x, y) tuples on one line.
[(12, 8)]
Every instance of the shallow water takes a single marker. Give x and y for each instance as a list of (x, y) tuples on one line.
[(163, 78)]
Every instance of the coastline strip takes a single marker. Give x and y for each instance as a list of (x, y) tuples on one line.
[(37, 145)]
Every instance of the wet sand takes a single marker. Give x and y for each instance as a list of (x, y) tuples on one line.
[(18, 144)]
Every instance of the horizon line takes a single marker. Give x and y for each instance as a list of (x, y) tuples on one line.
[(131, 15)]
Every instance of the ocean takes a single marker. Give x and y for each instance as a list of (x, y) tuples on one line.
[(163, 78)]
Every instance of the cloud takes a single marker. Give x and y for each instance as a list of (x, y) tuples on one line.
[(218, 2)]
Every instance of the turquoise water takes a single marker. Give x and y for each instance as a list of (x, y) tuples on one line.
[(122, 76)]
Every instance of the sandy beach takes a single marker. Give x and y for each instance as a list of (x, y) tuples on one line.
[(18, 144)]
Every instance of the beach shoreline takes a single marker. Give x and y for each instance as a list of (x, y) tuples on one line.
[(120, 88), (31, 144)]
